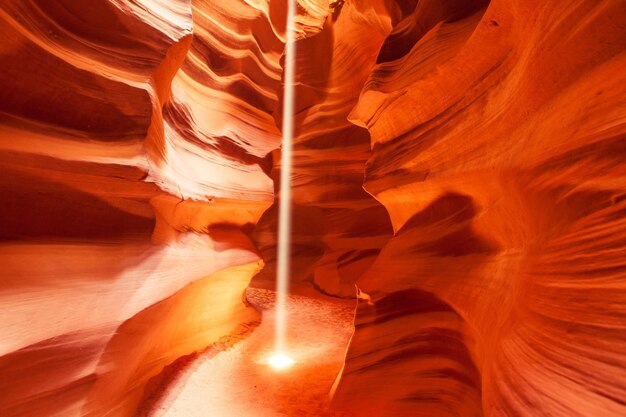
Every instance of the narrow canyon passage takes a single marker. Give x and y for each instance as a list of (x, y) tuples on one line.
[(458, 192), (238, 381)]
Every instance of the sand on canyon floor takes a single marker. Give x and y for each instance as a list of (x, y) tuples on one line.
[(236, 381)]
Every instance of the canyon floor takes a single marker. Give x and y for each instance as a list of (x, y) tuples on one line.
[(235, 381)]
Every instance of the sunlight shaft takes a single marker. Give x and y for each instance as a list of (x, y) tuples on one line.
[(284, 214)]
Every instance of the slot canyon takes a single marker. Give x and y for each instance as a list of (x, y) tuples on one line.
[(458, 208)]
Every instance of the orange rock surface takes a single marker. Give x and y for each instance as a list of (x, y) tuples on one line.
[(460, 167), (129, 178), (337, 228), (499, 150)]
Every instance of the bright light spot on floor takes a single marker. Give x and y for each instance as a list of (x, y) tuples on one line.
[(280, 361)]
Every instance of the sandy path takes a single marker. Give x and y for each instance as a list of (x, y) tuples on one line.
[(236, 382)]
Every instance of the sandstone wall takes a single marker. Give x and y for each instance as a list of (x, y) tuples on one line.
[(498, 150), (133, 137)]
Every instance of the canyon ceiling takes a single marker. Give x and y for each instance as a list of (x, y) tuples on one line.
[(459, 167)]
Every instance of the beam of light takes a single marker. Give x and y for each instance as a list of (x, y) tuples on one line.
[(284, 211)]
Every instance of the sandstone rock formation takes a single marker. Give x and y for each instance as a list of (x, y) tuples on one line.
[(462, 163), (129, 178), (338, 229), (499, 150)]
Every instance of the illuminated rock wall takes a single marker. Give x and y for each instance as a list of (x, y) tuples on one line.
[(461, 162), (337, 228), (499, 152), (128, 180)]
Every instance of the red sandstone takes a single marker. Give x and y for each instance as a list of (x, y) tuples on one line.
[(460, 168)]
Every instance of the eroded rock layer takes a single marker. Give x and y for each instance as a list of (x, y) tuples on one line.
[(461, 162), (132, 155), (498, 149), (337, 228)]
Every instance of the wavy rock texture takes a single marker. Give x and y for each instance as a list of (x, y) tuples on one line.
[(129, 176), (138, 147), (498, 134), (338, 229)]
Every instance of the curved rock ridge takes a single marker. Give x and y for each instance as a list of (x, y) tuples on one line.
[(133, 161), (461, 162), (498, 149), (338, 228), (218, 122)]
